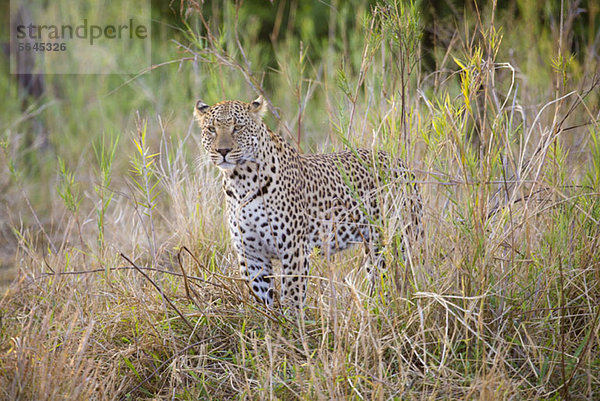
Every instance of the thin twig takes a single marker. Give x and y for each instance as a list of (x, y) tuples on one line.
[(162, 294)]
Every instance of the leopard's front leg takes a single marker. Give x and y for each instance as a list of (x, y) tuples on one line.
[(258, 272), (296, 265), (255, 262)]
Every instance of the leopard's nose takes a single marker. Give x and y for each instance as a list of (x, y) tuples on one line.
[(224, 151)]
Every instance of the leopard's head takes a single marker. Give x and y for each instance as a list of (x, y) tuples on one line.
[(230, 130)]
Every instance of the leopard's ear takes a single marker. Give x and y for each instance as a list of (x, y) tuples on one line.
[(257, 108), (201, 107), (200, 111)]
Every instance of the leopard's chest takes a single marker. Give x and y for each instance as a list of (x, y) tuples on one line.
[(252, 217)]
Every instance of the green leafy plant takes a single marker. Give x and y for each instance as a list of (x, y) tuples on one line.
[(105, 151), (145, 183)]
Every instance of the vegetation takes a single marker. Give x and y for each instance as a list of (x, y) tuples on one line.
[(119, 280)]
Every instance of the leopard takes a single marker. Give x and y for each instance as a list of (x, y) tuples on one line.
[(283, 204)]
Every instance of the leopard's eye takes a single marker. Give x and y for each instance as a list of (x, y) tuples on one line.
[(237, 128), (211, 129)]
